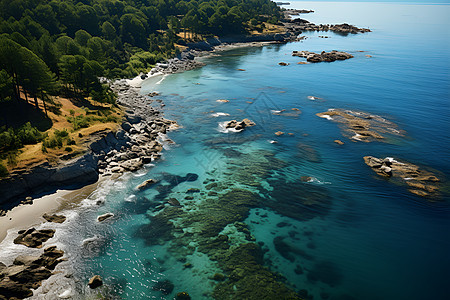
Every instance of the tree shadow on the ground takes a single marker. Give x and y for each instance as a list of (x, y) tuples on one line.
[(17, 113)]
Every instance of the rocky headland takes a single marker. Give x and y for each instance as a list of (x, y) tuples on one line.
[(137, 142), (418, 180), (323, 56)]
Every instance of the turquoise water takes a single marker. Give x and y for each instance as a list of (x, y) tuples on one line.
[(366, 238)]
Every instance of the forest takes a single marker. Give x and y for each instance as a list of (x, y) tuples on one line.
[(62, 47)]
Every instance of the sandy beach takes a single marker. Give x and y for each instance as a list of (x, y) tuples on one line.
[(26, 216)]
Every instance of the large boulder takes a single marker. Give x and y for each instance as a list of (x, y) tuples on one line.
[(95, 282), (54, 218), (239, 125), (104, 217), (34, 238), (146, 184)]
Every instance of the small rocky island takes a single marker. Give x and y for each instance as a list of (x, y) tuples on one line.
[(239, 126), (420, 182), (323, 56), (305, 25), (361, 126)]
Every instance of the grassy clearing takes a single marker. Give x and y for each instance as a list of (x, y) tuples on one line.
[(69, 133)]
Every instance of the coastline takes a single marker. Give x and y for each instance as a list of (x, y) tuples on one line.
[(139, 128), (25, 216)]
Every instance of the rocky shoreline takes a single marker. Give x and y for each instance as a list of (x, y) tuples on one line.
[(137, 142)]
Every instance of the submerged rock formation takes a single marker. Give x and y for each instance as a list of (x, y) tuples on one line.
[(419, 181), (361, 126), (323, 56)]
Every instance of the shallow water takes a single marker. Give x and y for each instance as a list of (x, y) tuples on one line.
[(347, 233)]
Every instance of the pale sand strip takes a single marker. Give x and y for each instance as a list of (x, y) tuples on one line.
[(26, 216)]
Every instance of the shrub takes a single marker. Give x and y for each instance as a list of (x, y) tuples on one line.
[(68, 149), (11, 139), (53, 142), (28, 134), (61, 133), (3, 171), (12, 159)]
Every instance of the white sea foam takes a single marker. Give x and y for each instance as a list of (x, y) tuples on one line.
[(276, 112), (328, 117), (66, 294), (356, 137), (313, 98), (130, 198), (162, 79), (317, 181), (219, 114)]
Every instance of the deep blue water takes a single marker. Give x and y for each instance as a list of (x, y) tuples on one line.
[(373, 239)]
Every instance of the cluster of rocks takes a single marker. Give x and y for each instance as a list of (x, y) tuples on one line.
[(338, 28), (139, 140), (27, 272), (362, 126), (185, 62), (34, 238), (295, 12), (299, 24), (419, 181), (239, 125), (323, 56)]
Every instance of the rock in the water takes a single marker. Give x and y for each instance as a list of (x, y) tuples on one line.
[(95, 282), (54, 218), (146, 184), (239, 125), (174, 202), (183, 296), (362, 126), (339, 142), (423, 183), (165, 287), (306, 179), (279, 133), (283, 64), (323, 57), (34, 238), (104, 217)]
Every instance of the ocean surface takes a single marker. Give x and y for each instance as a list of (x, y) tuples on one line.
[(342, 233)]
